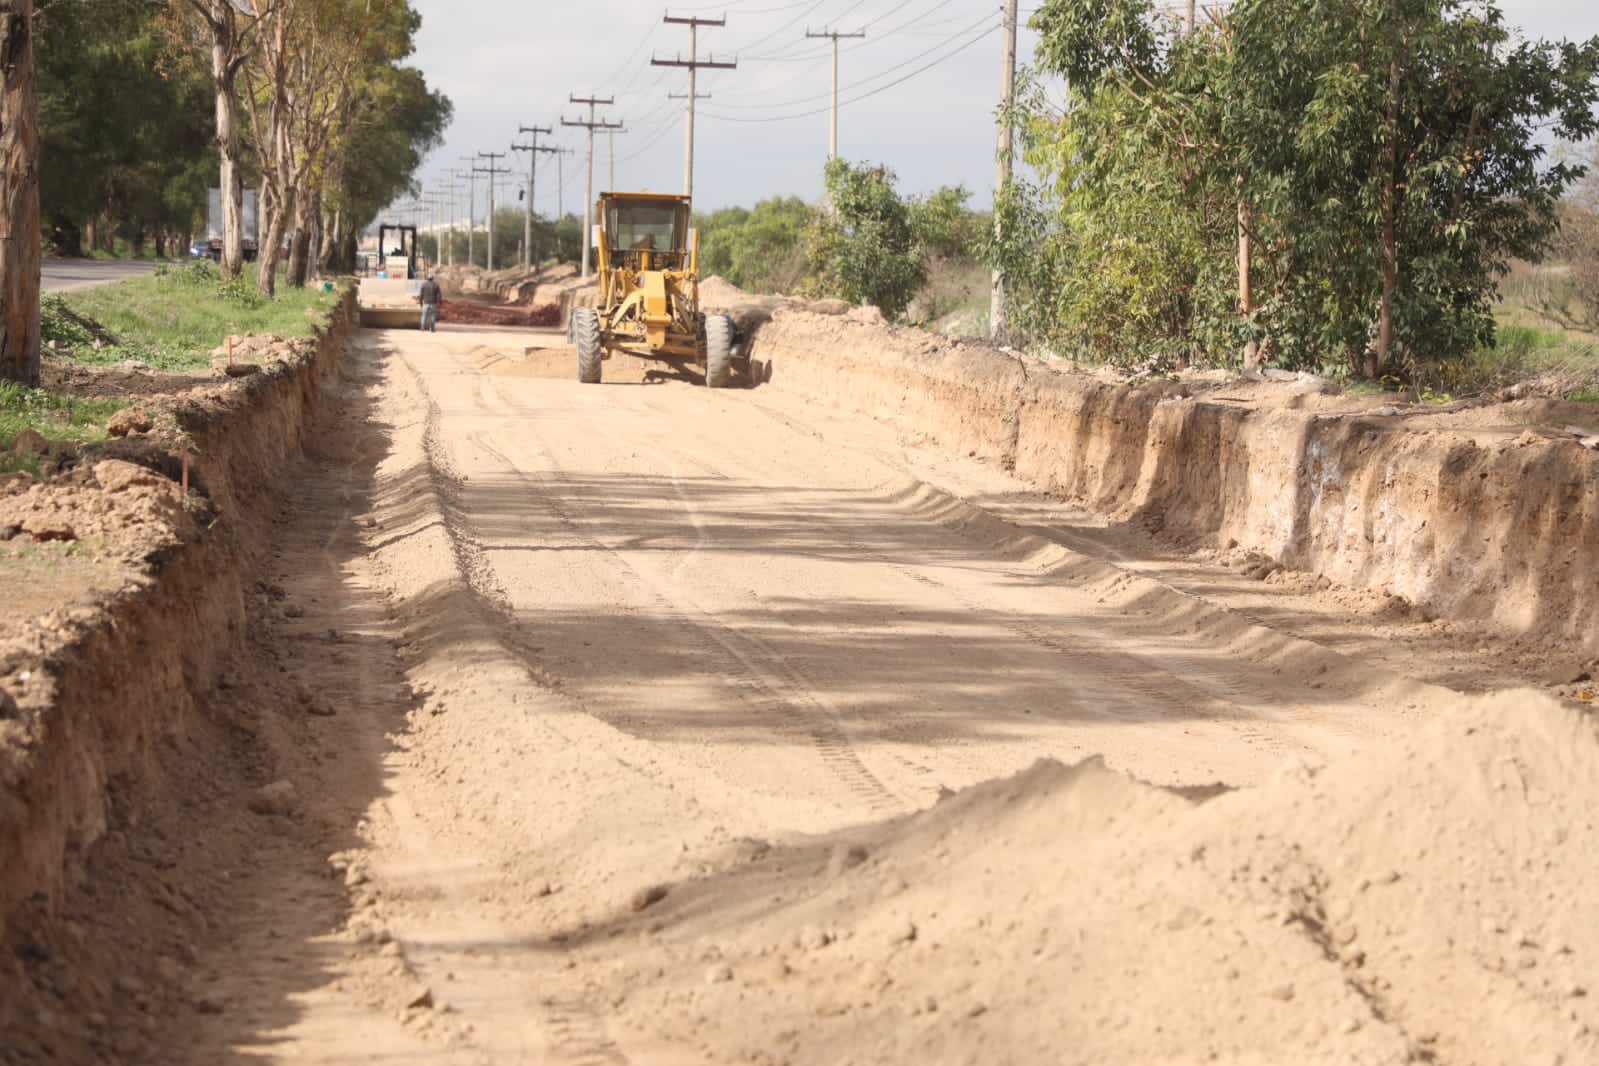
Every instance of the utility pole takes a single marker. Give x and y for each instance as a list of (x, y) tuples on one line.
[(560, 181), (832, 126), (450, 188), (588, 181), (532, 150), (610, 152), (435, 208), (471, 205), (491, 170), (1002, 152), (693, 63)]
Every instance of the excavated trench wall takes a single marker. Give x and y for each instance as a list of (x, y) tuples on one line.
[(138, 667), (1483, 524)]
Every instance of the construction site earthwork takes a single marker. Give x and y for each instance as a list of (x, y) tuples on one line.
[(902, 699)]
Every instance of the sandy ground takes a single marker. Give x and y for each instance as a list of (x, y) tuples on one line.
[(651, 723)]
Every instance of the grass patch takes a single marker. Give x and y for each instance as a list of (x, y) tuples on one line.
[(172, 319), (59, 418), (1520, 353)]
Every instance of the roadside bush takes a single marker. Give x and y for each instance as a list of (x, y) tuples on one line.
[(760, 250), (863, 248)]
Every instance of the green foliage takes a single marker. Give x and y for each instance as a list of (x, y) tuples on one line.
[(863, 248), (125, 132), (63, 328), (394, 121), (57, 417), (1381, 156), (1414, 161), (241, 293), (759, 250), (945, 227)]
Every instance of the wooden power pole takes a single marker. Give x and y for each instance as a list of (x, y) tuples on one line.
[(471, 204), (532, 150), (491, 170), (590, 124), (832, 124), (693, 63)]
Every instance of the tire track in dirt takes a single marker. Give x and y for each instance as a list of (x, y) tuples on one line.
[(1168, 687), (767, 682), (1110, 683), (571, 1031), (1105, 683)]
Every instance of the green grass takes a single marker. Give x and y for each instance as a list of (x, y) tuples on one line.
[(59, 418), (172, 319), (1520, 352)]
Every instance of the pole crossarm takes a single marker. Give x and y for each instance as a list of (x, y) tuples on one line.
[(693, 64), (532, 149), (491, 170), (590, 124)]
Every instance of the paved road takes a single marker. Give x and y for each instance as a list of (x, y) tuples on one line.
[(67, 275)]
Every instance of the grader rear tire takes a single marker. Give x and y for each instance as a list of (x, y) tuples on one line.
[(718, 351), (584, 326)]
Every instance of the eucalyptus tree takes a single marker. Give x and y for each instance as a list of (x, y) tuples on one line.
[(315, 57), (1406, 143), (227, 29), (1382, 158), (19, 197)]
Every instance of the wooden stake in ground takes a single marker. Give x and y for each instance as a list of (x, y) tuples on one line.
[(19, 196)]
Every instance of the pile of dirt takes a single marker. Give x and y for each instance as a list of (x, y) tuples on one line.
[(475, 312), (1362, 912)]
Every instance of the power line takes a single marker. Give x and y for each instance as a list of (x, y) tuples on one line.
[(863, 96), (832, 125), (873, 77)]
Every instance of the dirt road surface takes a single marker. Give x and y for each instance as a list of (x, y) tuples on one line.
[(639, 718)]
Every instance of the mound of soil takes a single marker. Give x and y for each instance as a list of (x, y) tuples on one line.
[(1366, 912), (476, 313)]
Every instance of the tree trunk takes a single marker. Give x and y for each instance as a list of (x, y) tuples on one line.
[(223, 45), (19, 197), (328, 244), (266, 277), (1246, 292), (300, 249), (1390, 243)]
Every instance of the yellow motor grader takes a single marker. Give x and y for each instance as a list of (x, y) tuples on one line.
[(649, 299)]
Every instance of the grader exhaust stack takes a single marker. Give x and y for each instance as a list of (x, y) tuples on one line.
[(649, 293)]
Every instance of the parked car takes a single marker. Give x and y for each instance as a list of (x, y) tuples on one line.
[(200, 249)]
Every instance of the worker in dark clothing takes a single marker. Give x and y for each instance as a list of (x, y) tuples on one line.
[(431, 294)]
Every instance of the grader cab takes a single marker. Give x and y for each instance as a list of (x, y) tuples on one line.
[(648, 260)]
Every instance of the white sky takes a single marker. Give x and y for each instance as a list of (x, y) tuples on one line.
[(763, 132)]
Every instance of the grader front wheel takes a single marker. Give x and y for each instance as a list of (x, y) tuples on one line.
[(585, 330), (718, 351)]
